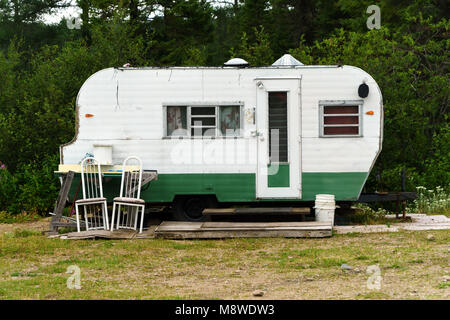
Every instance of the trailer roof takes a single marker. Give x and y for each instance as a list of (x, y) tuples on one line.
[(229, 68)]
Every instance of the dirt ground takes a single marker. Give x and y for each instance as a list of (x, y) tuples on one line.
[(412, 265)]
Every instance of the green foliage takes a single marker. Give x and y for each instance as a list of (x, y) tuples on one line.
[(257, 53), (43, 66), (8, 191), (8, 217), (364, 214), (431, 201), (39, 109), (413, 78), (38, 185)]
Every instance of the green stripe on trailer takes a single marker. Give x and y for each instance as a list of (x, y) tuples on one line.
[(234, 187), (279, 179), (344, 185), (227, 187)]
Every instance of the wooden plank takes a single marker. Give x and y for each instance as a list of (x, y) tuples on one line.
[(64, 224), (147, 233), (256, 211), (104, 234), (245, 234), (278, 210), (61, 200), (268, 228), (216, 230), (301, 210), (178, 225), (264, 224), (218, 211)]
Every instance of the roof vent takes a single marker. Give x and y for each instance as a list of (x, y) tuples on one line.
[(287, 60), (236, 62)]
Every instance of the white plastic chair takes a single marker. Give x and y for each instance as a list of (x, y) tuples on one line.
[(129, 203), (91, 178)]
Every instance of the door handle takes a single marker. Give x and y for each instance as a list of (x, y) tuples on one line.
[(255, 133)]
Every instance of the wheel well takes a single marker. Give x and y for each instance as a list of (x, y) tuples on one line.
[(179, 197)]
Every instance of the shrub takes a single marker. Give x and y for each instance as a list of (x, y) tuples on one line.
[(367, 215), (431, 201), (8, 190)]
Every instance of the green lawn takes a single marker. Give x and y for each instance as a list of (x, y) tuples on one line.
[(412, 267)]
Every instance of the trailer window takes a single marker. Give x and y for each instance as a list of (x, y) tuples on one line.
[(230, 120), (176, 121), (203, 121), (207, 121), (340, 118), (278, 126)]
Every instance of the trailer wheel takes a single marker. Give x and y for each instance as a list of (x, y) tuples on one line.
[(191, 208)]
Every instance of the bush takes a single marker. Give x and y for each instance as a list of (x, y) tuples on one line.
[(364, 214), (431, 201), (32, 189), (39, 187), (8, 190)]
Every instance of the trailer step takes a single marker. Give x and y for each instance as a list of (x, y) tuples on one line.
[(222, 230), (255, 211)]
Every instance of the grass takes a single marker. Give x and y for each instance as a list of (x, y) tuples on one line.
[(34, 267), (6, 217)]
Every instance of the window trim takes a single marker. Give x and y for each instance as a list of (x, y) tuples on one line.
[(215, 105), (344, 103)]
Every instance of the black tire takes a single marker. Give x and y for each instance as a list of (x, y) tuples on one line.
[(190, 208)]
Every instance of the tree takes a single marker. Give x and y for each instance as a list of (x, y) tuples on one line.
[(257, 53), (21, 19), (413, 75)]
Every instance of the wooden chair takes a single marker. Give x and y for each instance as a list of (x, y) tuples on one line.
[(129, 203), (95, 216)]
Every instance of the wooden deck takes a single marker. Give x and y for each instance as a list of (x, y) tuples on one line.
[(221, 230), (214, 230)]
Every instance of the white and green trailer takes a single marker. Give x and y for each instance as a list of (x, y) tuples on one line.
[(232, 134)]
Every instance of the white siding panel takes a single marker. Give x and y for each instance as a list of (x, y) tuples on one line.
[(338, 155), (176, 156)]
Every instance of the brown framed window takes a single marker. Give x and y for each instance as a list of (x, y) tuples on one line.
[(340, 118)]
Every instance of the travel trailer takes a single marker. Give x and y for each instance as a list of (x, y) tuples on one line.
[(232, 134)]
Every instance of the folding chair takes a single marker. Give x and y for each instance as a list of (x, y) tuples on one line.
[(95, 216), (129, 204)]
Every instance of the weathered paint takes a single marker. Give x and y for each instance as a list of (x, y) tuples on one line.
[(128, 109)]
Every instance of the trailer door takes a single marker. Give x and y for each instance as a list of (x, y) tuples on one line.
[(279, 137)]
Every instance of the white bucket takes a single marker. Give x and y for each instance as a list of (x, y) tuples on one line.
[(325, 207), (324, 197)]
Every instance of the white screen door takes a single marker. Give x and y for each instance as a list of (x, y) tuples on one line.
[(279, 137)]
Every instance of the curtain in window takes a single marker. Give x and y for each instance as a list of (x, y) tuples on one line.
[(229, 120), (176, 120)]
